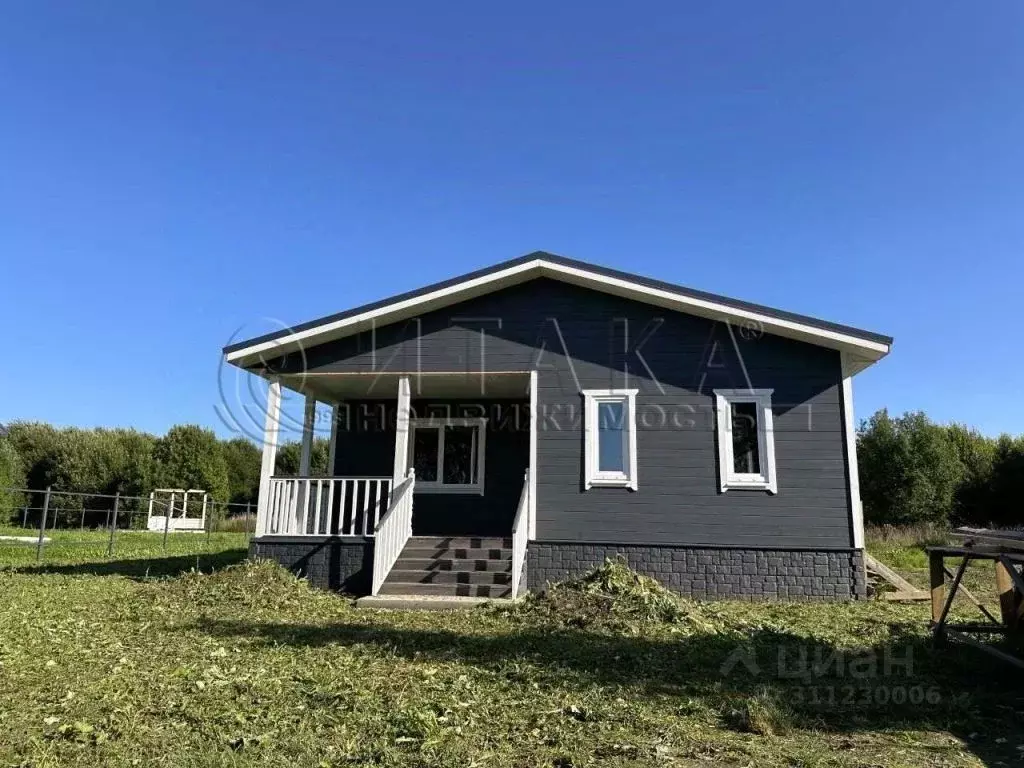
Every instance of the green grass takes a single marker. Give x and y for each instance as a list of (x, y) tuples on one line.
[(133, 550), (248, 666), (903, 548)]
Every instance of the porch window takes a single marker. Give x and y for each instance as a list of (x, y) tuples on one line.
[(610, 431), (746, 440), (448, 454)]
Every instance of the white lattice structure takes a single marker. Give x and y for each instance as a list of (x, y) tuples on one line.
[(175, 509)]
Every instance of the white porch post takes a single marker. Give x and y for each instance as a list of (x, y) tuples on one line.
[(401, 434), (271, 431), (850, 433), (534, 422)]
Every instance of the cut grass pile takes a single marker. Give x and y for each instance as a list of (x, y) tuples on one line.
[(250, 666)]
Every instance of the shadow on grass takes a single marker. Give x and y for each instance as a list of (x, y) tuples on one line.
[(904, 683), (141, 568)]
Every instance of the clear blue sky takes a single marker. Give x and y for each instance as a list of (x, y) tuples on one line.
[(172, 172)]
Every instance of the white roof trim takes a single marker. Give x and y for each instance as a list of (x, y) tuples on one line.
[(860, 348)]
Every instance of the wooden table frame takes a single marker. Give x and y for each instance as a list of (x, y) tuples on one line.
[(1010, 586)]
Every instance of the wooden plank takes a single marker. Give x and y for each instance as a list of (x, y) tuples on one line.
[(986, 538), (918, 595), (1005, 588), (952, 592), (937, 574), (989, 533), (970, 596), (970, 626), (887, 573), (1013, 573), (998, 653)]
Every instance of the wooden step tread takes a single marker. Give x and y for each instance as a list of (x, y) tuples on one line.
[(406, 563), (457, 553), (445, 542), (457, 590), (449, 577)]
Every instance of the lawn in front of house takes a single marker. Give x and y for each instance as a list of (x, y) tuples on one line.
[(250, 666), (142, 550)]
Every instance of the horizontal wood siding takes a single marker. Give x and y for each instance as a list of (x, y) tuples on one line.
[(366, 443), (683, 359)]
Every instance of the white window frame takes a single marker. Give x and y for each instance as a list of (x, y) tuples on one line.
[(439, 423), (729, 478), (592, 477)]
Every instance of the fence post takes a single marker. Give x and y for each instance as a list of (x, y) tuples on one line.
[(167, 519), (24, 516), (81, 522), (248, 512), (42, 525), (113, 524)]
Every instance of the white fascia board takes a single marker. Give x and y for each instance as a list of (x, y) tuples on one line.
[(707, 308), (332, 330), (870, 350)]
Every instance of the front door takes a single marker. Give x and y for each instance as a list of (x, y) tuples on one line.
[(469, 475)]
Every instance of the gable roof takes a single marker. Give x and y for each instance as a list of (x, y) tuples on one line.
[(861, 347)]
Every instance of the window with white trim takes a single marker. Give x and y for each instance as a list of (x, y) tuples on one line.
[(746, 440), (448, 454), (609, 417)]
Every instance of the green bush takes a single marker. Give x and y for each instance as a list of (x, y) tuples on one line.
[(288, 456), (913, 472), (189, 456), (243, 464), (909, 470), (1006, 484), (12, 475)]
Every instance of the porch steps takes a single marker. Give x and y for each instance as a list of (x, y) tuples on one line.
[(424, 602), (447, 566), (452, 577)]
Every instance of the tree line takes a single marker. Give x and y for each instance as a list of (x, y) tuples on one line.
[(133, 463), (912, 470)]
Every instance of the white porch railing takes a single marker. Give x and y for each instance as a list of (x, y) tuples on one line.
[(337, 506), (520, 534), (393, 531)]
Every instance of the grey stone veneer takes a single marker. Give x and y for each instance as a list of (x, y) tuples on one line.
[(745, 574), (344, 564)]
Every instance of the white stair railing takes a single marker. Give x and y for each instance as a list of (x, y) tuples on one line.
[(393, 531), (520, 532), (326, 506)]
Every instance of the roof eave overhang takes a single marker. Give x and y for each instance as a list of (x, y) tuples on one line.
[(858, 351)]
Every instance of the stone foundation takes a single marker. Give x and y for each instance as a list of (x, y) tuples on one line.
[(343, 564), (744, 574)]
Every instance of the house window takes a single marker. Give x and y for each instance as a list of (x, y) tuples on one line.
[(448, 454), (746, 440), (610, 438)]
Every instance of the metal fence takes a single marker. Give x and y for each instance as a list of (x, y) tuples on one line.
[(67, 526)]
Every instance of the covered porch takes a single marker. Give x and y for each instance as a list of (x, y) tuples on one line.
[(410, 455)]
